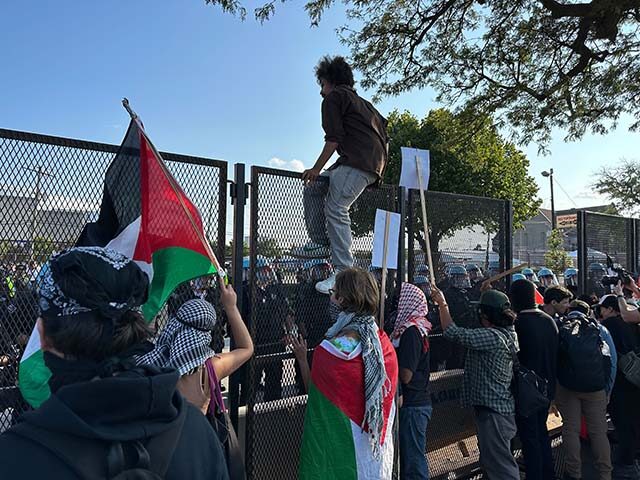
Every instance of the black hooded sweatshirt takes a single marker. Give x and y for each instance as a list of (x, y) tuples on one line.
[(135, 405)]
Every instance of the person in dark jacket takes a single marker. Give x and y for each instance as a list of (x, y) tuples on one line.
[(105, 415), (358, 132), (538, 341), (625, 396)]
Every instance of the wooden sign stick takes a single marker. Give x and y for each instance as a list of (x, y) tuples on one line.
[(383, 285), (425, 225), (501, 275)]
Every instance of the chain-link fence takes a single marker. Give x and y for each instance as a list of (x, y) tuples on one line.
[(470, 240), (601, 238), (50, 188), (283, 300)]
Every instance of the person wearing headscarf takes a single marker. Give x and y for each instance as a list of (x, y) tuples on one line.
[(352, 385), (105, 416), (410, 337), (185, 344)]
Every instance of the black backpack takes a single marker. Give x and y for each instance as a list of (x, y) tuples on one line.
[(95, 459), (584, 359)]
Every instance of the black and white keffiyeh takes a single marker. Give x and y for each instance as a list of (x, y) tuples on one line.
[(376, 381), (91, 279), (184, 343)]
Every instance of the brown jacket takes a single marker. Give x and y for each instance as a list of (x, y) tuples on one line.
[(358, 129)]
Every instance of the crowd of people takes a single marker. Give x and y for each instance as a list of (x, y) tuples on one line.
[(18, 313), (131, 399)]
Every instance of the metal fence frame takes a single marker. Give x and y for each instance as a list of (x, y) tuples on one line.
[(505, 234), (253, 468), (241, 190), (222, 166), (16, 147), (592, 225)]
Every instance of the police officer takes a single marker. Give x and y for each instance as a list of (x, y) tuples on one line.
[(595, 273), (272, 316), (460, 307), (547, 279), (571, 280), (310, 317), (530, 275), (476, 277)]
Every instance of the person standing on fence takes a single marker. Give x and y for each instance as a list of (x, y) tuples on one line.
[(488, 372), (410, 338), (352, 388), (538, 342), (357, 131)]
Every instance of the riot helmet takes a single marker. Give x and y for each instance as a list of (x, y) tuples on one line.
[(547, 277), (458, 277), (320, 271), (530, 275), (571, 277), (475, 273), (597, 271), (422, 282)]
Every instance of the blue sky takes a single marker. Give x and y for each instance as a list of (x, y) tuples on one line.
[(208, 84)]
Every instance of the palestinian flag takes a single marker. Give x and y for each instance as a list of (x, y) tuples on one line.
[(146, 216), (334, 445)]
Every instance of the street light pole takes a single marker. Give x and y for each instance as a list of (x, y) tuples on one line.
[(40, 172), (553, 207)]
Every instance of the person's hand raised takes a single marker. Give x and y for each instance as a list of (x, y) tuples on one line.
[(299, 347), (228, 296), (437, 296)]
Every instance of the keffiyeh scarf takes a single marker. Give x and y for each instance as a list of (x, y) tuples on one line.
[(412, 311), (376, 382)]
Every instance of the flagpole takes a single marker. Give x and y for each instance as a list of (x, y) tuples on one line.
[(176, 189)]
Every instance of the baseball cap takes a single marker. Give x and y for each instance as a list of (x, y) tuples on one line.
[(495, 299)]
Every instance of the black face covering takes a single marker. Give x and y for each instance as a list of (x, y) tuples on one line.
[(66, 371)]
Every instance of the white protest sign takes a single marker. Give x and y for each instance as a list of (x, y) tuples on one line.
[(393, 235), (409, 173)]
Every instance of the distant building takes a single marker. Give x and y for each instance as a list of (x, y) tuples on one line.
[(21, 221), (530, 241)]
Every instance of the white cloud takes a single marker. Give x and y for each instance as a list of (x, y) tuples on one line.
[(295, 165)]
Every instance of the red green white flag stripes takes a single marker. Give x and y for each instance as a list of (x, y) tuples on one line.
[(145, 215), (334, 445)]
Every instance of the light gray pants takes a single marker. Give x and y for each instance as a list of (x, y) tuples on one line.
[(326, 210), (495, 432)]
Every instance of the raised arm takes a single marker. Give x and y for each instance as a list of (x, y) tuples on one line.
[(227, 363)]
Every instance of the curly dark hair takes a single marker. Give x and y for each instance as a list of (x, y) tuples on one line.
[(335, 70)]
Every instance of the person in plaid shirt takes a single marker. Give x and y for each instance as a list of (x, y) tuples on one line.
[(487, 378)]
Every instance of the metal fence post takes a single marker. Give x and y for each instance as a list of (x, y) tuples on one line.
[(402, 275), (582, 251), (631, 245), (410, 212), (636, 244), (238, 194), (508, 241)]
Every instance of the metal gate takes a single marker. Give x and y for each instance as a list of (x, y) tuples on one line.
[(50, 187), (282, 299)]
